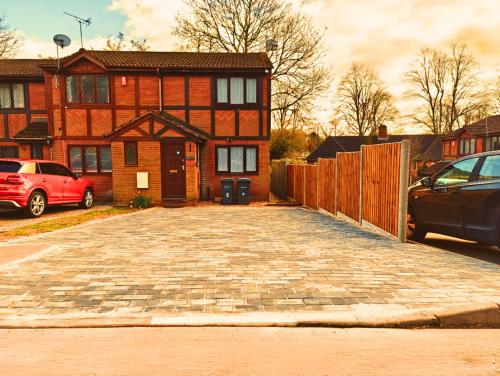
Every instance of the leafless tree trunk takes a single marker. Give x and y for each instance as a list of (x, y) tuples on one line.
[(444, 84), (245, 26), (363, 102), (9, 44)]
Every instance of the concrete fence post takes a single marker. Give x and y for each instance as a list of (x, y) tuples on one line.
[(361, 185)]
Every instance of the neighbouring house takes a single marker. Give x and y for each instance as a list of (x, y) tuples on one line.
[(483, 135), (425, 149), (171, 123)]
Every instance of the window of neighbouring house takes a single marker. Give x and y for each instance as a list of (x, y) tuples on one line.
[(9, 152), (237, 90), (467, 146), (36, 151), (87, 88), (90, 159), (236, 159), (12, 95), (492, 143), (130, 153)]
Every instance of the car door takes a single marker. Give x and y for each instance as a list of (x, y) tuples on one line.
[(481, 201), (72, 188), (52, 181), (439, 207)]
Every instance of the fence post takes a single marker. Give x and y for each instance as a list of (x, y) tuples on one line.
[(336, 185), (404, 167), (360, 213), (318, 172)]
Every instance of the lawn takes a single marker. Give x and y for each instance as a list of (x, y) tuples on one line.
[(60, 223)]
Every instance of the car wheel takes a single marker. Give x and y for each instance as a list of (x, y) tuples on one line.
[(88, 199), (36, 205), (413, 230)]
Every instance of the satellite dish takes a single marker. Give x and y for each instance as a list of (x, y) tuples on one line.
[(61, 40)]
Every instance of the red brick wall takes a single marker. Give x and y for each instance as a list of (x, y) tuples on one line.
[(210, 179), (125, 177), (148, 91), (200, 119), (199, 91), (224, 123), (37, 96), (249, 123), (103, 182), (76, 122), (173, 91), (17, 122), (125, 94), (100, 121)]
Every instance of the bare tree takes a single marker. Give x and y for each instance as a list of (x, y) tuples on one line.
[(9, 43), (363, 101), (444, 83), (245, 26), (121, 43), (334, 128)]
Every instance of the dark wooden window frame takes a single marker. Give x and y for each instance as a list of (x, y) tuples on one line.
[(229, 172), (467, 142), (11, 92), (79, 89), (12, 147), (125, 162), (98, 157), (245, 102)]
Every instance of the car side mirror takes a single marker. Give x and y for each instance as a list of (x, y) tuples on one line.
[(426, 182), (77, 175)]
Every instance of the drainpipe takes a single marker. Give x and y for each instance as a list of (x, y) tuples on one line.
[(160, 94)]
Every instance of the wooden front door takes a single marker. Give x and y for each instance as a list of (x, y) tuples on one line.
[(173, 170)]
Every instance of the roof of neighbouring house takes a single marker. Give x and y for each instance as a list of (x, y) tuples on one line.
[(22, 67), (426, 147), (36, 130), (490, 124), (173, 60)]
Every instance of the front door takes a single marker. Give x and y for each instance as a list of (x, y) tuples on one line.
[(173, 170)]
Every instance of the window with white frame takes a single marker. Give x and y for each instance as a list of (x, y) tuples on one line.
[(237, 159), (236, 90)]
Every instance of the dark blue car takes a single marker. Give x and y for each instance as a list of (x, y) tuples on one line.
[(460, 200)]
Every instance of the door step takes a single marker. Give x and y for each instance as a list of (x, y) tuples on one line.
[(174, 203)]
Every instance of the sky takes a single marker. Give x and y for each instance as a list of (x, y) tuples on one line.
[(386, 34)]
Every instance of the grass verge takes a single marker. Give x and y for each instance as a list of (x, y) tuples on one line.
[(63, 222)]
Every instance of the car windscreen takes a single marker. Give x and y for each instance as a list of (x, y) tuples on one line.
[(8, 166)]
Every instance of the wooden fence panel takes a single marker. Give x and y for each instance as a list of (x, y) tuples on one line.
[(311, 186), (290, 173), (327, 169), (381, 185), (299, 183), (348, 185), (279, 179)]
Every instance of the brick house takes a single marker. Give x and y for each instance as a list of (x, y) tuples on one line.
[(483, 135), (173, 123), (426, 149)]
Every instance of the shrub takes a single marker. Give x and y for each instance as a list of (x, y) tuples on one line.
[(141, 202)]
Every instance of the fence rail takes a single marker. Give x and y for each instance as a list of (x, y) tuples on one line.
[(369, 186)]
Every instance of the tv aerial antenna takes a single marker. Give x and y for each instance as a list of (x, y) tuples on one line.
[(62, 41), (81, 21)]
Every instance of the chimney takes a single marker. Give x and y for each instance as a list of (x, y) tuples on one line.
[(382, 132)]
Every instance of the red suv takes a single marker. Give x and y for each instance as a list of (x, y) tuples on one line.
[(35, 184)]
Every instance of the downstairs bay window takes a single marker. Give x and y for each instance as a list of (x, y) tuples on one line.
[(236, 159), (90, 159)]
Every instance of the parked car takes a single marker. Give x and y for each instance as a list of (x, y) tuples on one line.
[(35, 184), (460, 200)]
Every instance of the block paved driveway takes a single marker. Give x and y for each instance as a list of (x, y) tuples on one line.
[(217, 259)]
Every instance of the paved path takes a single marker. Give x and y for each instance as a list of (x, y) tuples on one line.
[(249, 351), (233, 259)]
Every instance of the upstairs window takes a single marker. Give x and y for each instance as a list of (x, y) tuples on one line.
[(87, 88), (12, 95), (236, 90)]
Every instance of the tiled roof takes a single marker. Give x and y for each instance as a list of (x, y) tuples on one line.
[(176, 60), (37, 130), (426, 147), (22, 67), (490, 124)]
